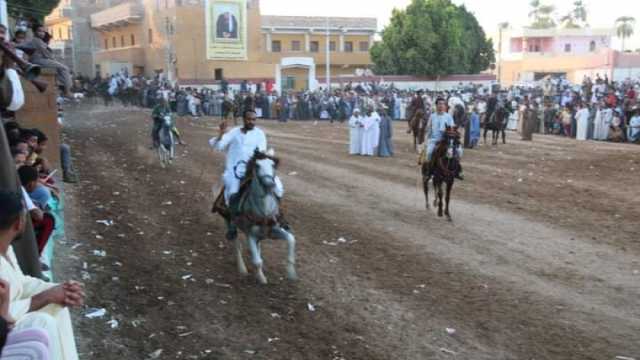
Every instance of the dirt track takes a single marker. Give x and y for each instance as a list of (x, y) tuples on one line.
[(540, 262)]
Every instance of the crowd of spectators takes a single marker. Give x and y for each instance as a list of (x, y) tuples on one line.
[(34, 316), (611, 108)]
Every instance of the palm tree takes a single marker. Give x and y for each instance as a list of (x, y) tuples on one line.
[(580, 11), (624, 27), (575, 17), (541, 15)]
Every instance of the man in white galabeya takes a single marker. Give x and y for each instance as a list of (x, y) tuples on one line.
[(240, 143), (436, 127)]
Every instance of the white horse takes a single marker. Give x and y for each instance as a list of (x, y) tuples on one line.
[(166, 148), (256, 213)]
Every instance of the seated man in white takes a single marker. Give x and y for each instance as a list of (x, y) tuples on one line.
[(33, 302)]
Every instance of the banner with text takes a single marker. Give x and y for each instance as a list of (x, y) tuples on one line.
[(226, 23)]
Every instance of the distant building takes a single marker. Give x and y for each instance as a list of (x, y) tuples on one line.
[(198, 42), (74, 41), (528, 55)]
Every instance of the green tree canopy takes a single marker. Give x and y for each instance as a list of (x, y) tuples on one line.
[(31, 9), (431, 38)]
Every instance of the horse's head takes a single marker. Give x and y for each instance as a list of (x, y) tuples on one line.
[(451, 140), (264, 167)]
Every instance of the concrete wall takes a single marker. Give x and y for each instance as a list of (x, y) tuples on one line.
[(41, 111)]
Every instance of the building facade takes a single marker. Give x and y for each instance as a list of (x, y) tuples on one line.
[(528, 55), (73, 40), (174, 38)]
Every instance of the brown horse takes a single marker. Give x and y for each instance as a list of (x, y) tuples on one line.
[(443, 168), (417, 127), (497, 123)]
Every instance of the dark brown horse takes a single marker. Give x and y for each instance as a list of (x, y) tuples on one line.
[(417, 127), (497, 123), (442, 169)]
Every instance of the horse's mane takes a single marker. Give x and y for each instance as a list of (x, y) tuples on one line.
[(251, 164)]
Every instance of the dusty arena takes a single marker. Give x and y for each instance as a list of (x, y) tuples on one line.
[(541, 260)]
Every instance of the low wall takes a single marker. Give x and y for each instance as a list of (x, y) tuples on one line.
[(40, 111)]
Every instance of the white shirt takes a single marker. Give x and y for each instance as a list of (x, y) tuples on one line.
[(27, 200), (239, 146)]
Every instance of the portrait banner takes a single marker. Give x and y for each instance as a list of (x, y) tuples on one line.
[(226, 24)]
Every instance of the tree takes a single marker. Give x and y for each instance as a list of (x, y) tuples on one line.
[(432, 38), (34, 10), (577, 17), (624, 28), (541, 15)]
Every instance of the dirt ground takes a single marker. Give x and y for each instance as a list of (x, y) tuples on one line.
[(540, 262)]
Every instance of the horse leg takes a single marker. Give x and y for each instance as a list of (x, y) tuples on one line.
[(447, 198), (256, 257), (435, 193), (439, 192), (291, 251), (425, 187), (484, 135), (504, 137), (242, 268), (495, 136)]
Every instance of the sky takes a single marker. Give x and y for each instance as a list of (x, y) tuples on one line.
[(601, 13)]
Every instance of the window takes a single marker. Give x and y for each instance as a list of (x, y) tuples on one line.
[(567, 47), (592, 46), (348, 46), (295, 45), (332, 46), (364, 46), (122, 40), (218, 74), (106, 44), (314, 46), (113, 42), (150, 36), (133, 40), (276, 46)]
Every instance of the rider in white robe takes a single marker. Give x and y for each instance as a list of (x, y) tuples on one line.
[(240, 144)]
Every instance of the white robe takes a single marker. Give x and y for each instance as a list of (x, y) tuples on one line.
[(602, 122), (582, 117), (355, 135), (240, 147), (368, 142), (375, 133), (54, 319)]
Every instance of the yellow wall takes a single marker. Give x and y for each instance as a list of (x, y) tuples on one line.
[(189, 46), (126, 31), (61, 31)]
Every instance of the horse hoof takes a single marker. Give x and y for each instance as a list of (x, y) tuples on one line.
[(292, 275), (439, 214), (449, 218), (262, 280)]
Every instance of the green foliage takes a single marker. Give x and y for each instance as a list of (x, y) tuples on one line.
[(541, 15), (575, 17), (31, 9), (431, 38), (624, 27)]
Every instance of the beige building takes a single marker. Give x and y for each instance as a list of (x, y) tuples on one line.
[(74, 41), (171, 37)]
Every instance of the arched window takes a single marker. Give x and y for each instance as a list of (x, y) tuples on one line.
[(592, 46)]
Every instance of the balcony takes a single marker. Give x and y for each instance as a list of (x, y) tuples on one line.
[(121, 15), (131, 54)]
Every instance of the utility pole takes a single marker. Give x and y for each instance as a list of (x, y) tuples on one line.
[(501, 27), (328, 58)]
